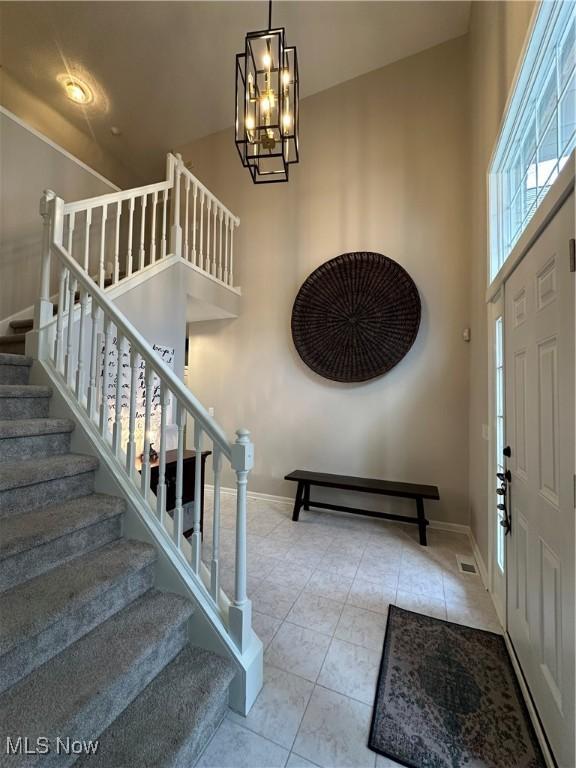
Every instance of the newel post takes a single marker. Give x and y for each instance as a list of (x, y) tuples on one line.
[(240, 612), (43, 306), (176, 231)]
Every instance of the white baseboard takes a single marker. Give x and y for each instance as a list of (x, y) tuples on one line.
[(437, 525), (479, 561)]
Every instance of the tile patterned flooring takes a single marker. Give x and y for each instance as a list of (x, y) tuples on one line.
[(320, 592)]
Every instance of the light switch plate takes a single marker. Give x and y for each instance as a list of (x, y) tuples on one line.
[(485, 432)]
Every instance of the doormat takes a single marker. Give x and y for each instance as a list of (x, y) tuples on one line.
[(447, 696)]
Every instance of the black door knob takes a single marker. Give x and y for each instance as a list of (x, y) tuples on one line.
[(507, 451)]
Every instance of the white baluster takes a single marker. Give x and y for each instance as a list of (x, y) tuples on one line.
[(231, 273), (178, 513), (71, 225), (214, 253), (208, 229), (130, 238), (240, 612), (102, 269), (104, 408), (68, 370), (81, 344), (161, 488), (163, 240), (201, 260), (220, 215), (117, 428), (87, 224), (226, 239), (176, 235), (153, 233), (131, 446), (196, 542), (215, 565), (142, 252), (186, 217), (94, 352), (194, 224), (59, 341), (145, 484), (116, 276)]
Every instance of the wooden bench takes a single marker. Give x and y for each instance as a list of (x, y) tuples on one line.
[(306, 480)]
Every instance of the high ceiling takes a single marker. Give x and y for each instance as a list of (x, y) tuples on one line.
[(163, 72)]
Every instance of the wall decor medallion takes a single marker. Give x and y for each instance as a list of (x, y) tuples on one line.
[(356, 317)]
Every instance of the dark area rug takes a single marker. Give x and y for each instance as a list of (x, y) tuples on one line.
[(447, 697)]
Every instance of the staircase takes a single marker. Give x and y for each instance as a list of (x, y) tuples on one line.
[(13, 343), (89, 649)]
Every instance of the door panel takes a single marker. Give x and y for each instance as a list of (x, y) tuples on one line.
[(539, 356)]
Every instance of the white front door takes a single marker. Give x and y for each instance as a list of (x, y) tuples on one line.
[(539, 365)]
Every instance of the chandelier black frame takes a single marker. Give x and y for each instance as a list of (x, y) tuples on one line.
[(267, 105)]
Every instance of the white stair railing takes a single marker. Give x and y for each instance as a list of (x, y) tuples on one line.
[(113, 236), (116, 377), (207, 239)]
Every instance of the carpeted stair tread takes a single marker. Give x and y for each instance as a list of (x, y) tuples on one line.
[(32, 427), (83, 689), (13, 338), (22, 325), (172, 720), (8, 359), (24, 390), (19, 533), (19, 474), (29, 608)]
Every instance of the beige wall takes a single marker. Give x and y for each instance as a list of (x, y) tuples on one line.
[(496, 36), (383, 167), (43, 118), (29, 165)]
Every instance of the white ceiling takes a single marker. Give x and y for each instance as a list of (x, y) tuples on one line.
[(163, 72)]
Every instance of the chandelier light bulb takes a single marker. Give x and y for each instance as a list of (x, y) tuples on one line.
[(267, 60)]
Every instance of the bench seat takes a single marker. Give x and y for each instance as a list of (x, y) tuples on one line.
[(418, 493)]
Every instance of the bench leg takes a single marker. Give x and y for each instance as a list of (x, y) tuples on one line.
[(307, 497), (298, 501), (422, 522)]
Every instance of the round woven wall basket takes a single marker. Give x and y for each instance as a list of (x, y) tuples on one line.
[(356, 317)]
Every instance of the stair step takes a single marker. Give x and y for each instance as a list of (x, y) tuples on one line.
[(82, 690), (24, 401), (24, 438), (14, 369), (46, 614), (188, 699), (22, 325), (25, 485), (33, 542), (14, 343)]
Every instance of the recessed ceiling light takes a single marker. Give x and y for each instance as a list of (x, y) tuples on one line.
[(76, 89), (115, 131)]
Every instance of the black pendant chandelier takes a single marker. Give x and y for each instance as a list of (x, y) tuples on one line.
[(267, 104)]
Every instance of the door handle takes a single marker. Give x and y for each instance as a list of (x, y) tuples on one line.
[(505, 479)]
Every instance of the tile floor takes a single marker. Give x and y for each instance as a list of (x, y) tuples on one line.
[(320, 591)]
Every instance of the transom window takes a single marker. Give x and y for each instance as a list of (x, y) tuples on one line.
[(539, 130)]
